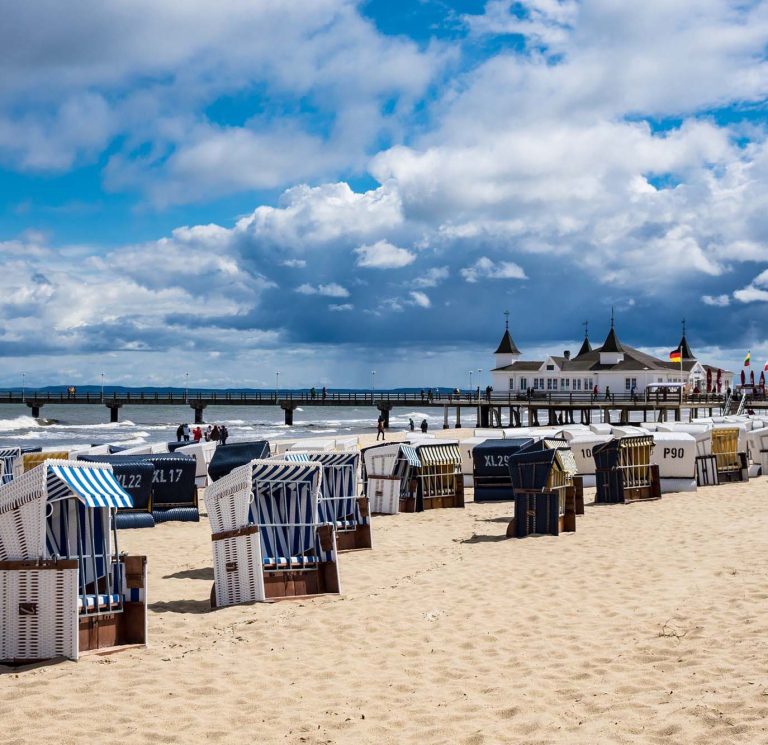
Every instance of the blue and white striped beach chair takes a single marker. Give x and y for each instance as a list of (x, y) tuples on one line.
[(64, 587), (339, 503), (268, 539)]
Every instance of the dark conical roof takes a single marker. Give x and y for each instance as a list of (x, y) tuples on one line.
[(585, 347), (612, 343), (506, 345), (685, 350)]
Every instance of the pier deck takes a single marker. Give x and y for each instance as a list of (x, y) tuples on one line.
[(543, 409)]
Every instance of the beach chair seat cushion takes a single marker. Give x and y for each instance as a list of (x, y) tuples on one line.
[(284, 562), (92, 602)]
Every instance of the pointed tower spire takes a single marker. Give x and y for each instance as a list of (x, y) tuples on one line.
[(586, 346), (612, 343), (685, 350), (507, 345)]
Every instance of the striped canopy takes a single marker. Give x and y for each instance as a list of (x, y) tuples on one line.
[(95, 487), (432, 455), (409, 453)]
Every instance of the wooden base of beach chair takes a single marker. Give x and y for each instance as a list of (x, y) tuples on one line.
[(41, 621), (538, 518), (354, 540), (301, 583), (578, 494)]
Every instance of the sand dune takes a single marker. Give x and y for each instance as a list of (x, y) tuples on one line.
[(647, 625)]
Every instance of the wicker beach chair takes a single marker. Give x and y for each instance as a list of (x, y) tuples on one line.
[(339, 503), (439, 481), (624, 470), (64, 587), (11, 464), (544, 497), (268, 540), (388, 474), (490, 472)]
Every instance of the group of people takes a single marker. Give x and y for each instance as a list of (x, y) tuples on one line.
[(212, 433), (380, 427), (313, 393)]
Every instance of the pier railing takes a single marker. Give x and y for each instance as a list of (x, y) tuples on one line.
[(540, 398)]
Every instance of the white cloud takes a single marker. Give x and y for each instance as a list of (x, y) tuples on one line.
[(341, 308), (484, 268), (383, 255), (311, 216), (294, 263), (432, 277), (330, 290), (152, 76), (420, 299), (720, 301)]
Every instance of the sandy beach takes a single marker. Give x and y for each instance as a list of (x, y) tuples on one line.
[(647, 625)]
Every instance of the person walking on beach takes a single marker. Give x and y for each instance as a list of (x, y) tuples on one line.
[(215, 433), (411, 424), (223, 434), (424, 425), (185, 432), (380, 429), (197, 434), (179, 432), (208, 431)]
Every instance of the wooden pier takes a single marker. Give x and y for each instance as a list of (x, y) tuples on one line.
[(495, 410)]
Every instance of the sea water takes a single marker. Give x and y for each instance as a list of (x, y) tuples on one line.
[(84, 424)]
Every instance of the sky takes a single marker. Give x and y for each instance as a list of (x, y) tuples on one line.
[(327, 189)]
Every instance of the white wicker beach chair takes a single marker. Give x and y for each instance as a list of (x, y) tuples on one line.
[(268, 540), (63, 587)]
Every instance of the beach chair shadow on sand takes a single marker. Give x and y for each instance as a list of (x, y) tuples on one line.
[(268, 539), (64, 586)]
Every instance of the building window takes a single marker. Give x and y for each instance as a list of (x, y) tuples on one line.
[(523, 384), (588, 384), (550, 367), (549, 384), (511, 384), (536, 384), (565, 384), (577, 384), (627, 383)]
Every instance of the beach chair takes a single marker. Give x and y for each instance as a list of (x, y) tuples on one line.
[(268, 541), (730, 462), (675, 455), (544, 497), (339, 503), (32, 460), (11, 464), (388, 473), (230, 456), (439, 481), (64, 586), (490, 468), (575, 481), (173, 490), (624, 471)]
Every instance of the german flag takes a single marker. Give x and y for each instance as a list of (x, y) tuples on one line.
[(676, 355)]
